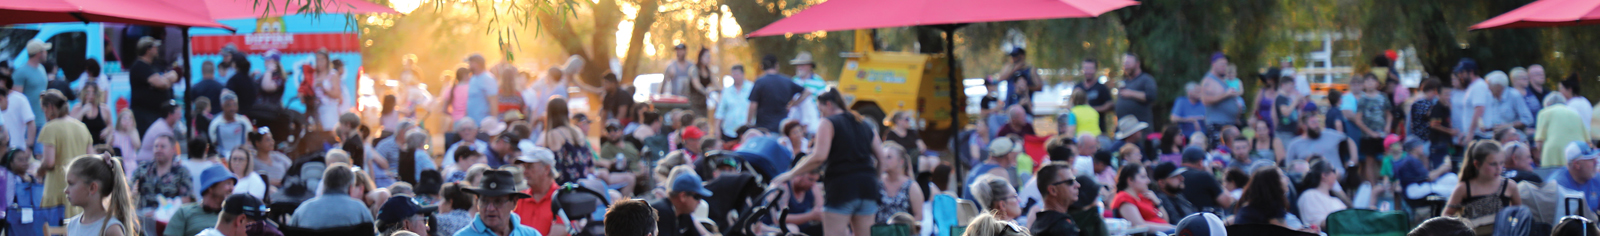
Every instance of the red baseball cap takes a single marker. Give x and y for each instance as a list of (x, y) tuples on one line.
[(692, 132)]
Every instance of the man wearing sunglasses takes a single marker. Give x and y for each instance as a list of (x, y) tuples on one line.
[(1060, 190), (682, 198), (241, 215)]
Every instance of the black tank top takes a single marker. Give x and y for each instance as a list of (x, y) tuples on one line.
[(850, 172), (95, 125)]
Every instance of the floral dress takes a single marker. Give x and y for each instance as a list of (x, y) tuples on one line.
[(895, 204), (573, 161), (153, 186)]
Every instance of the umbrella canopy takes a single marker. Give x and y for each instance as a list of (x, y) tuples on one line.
[(142, 12), (862, 14), (243, 9), (1546, 13)]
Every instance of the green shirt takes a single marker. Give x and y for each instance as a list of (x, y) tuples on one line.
[(190, 220)]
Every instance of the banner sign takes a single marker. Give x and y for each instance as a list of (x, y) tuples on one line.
[(283, 42)]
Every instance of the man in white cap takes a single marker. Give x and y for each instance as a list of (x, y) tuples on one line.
[(806, 76), (1002, 161), (30, 77), (1579, 176)]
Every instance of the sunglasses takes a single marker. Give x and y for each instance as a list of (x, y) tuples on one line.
[(1068, 182)]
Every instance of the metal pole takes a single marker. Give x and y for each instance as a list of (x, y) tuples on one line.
[(188, 85), (956, 89)]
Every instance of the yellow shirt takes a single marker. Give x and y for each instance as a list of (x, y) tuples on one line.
[(70, 139), (1088, 120)]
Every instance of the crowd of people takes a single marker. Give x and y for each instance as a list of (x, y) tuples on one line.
[(783, 154)]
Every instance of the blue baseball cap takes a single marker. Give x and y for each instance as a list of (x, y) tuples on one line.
[(1466, 64), (212, 176), (690, 182), (398, 208)]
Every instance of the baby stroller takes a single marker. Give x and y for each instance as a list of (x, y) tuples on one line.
[(299, 184), (580, 202), (768, 205)]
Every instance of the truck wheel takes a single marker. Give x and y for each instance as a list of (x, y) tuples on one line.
[(871, 111)]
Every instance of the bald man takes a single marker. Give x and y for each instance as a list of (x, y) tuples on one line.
[(1017, 124)]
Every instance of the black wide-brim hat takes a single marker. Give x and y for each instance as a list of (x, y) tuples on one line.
[(497, 183)]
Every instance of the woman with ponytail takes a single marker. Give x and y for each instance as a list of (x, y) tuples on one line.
[(844, 145), (1482, 192), (96, 184)]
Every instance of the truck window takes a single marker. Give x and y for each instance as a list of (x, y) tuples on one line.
[(67, 52), (12, 40)]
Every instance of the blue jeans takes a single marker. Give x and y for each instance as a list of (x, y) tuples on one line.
[(854, 207)]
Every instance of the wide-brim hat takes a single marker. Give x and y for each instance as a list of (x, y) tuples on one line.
[(803, 59), (213, 175), (497, 183), (1129, 125)]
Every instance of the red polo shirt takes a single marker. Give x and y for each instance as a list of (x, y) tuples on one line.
[(535, 212)]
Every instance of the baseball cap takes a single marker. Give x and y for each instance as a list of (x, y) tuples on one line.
[(1000, 146), (37, 46), (1466, 64), (1201, 224), (399, 208), (1218, 56), (692, 133), (1390, 141), (689, 182), (1017, 51), (1578, 150), (536, 154), (1167, 170), (212, 176), (1193, 154), (244, 204), (492, 125)]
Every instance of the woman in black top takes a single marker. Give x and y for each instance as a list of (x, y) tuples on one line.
[(844, 146)]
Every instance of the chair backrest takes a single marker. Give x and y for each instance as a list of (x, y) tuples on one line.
[(359, 229), (1264, 229), (965, 212), (891, 230), (944, 213), (1363, 222)]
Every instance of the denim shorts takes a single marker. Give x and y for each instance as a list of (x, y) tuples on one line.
[(854, 207)]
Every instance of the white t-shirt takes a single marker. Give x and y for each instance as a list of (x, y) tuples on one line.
[(1316, 205), (1585, 110), (251, 184), (16, 117)]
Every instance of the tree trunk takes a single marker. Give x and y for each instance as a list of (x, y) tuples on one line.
[(752, 15), (641, 25), (603, 41)]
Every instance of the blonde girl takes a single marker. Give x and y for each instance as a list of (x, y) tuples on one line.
[(97, 185)]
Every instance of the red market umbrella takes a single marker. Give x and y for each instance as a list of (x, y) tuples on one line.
[(243, 9), (946, 15), (862, 14), (1546, 13), (141, 12)]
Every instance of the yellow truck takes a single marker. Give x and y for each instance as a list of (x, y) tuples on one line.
[(878, 83)]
